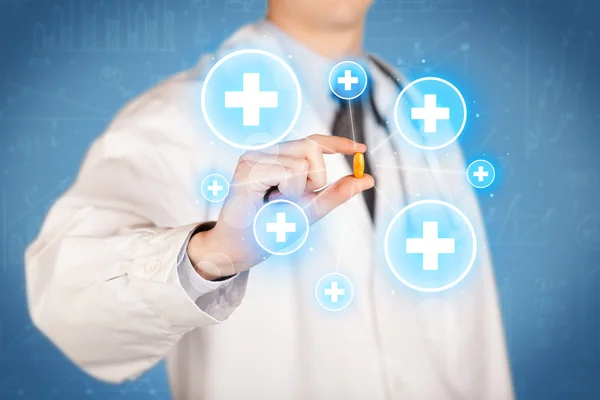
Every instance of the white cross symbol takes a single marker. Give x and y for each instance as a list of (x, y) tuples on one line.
[(251, 99), (431, 246), (480, 174), (430, 113), (215, 188), (334, 292), (348, 79), (281, 228)]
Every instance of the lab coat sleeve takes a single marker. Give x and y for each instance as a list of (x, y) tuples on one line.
[(102, 276)]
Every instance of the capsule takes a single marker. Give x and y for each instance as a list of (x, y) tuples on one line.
[(358, 165)]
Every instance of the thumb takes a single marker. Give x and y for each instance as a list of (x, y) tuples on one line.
[(323, 202)]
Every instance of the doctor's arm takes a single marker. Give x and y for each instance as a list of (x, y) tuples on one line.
[(103, 282), (102, 277)]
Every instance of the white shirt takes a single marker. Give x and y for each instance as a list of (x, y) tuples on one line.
[(103, 276)]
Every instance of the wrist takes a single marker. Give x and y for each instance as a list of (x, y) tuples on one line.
[(200, 246)]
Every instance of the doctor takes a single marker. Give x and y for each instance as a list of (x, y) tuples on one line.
[(131, 267)]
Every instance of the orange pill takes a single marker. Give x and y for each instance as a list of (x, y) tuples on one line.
[(358, 165)]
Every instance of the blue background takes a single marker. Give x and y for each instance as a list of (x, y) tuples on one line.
[(531, 66)]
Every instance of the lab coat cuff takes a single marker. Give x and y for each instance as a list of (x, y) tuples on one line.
[(167, 295), (191, 282)]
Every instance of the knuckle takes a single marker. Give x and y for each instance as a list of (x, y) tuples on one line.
[(306, 144), (300, 164), (313, 145), (320, 179)]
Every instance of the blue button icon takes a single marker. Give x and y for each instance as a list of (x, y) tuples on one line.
[(348, 80), (430, 245), (251, 99), (214, 188), (281, 227), (481, 174), (430, 113), (334, 291)]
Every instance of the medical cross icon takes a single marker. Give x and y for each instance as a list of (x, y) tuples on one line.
[(215, 188), (281, 228), (347, 80), (430, 246), (251, 99), (480, 174), (334, 292), (281, 217), (430, 113)]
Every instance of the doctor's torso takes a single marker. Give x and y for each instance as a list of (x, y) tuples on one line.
[(390, 342)]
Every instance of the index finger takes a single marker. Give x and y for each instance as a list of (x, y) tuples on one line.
[(337, 144)]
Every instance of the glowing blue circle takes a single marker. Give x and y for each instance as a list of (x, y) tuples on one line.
[(214, 188), (430, 113), (481, 174), (281, 227), (334, 291), (348, 80), (430, 245), (251, 99)]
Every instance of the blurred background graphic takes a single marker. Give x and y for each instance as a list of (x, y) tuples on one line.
[(528, 68)]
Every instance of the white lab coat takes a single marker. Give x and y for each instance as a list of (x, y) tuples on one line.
[(102, 275)]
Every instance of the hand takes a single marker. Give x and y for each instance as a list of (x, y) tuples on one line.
[(297, 169)]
